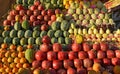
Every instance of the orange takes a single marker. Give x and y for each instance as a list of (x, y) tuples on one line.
[(97, 66), (21, 54), (12, 47), (29, 46), (19, 65), (2, 70), (12, 65), (10, 59), (16, 60), (14, 54), (8, 69), (23, 60), (4, 45), (4, 59), (7, 54), (19, 48), (26, 65), (14, 70)]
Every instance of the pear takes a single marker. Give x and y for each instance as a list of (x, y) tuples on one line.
[(78, 11), (107, 16), (98, 35), (68, 17), (108, 31), (71, 11), (95, 31), (101, 16), (73, 5), (84, 31), (104, 35), (92, 21), (94, 16), (85, 11), (90, 31), (118, 31), (111, 21), (59, 19), (99, 21), (75, 31), (81, 17), (72, 25), (75, 16), (78, 22), (71, 31), (105, 21), (86, 5), (118, 39), (96, 11), (87, 16), (101, 31), (90, 10), (85, 22), (72, 21), (79, 31), (99, 4)]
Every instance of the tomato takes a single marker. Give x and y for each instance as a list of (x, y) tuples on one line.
[(57, 47), (36, 3), (36, 12), (40, 7), (46, 64), (57, 11), (45, 47), (71, 71), (97, 61), (117, 52), (22, 12), (86, 47), (46, 39), (96, 46), (103, 46), (115, 61), (62, 55), (68, 63), (33, 7), (76, 47), (29, 12), (57, 64), (44, 27), (78, 63), (10, 17), (61, 71), (43, 12), (46, 18), (36, 64), (72, 55), (82, 55), (106, 61), (101, 54), (39, 55), (19, 7), (87, 63), (53, 17), (33, 18), (40, 17), (50, 12), (92, 54), (52, 71), (81, 71), (51, 55), (110, 54)]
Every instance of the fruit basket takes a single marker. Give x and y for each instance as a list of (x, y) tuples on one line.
[(59, 37)]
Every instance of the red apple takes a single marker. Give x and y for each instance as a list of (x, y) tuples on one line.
[(53, 17), (50, 12), (82, 55), (43, 12), (97, 61), (39, 55), (68, 64), (25, 17), (45, 47), (46, 64), (103, 46), (96, 46), (6, 22), (71, 71), (29, 12), (36, 23), (86, 47), (33, 7), (72, 55), (62, 55), (57, 64), (61, 71), (87, 63), (36, 12), (57, 11), (13, 12), (50, 22), (106, 61), (22, 12), (101, 54), (10, 17), (117, 52), (81, 71), (46, 39), (115, 61), (52, 71), (19, 7), (36, 3), (110, 54), (51, 55), (78, 63), (76, 47), (40, 7), (44, 27), (33, 18), (92, 54), (57, 47), (46, 18), (36, 64), (40, 17)]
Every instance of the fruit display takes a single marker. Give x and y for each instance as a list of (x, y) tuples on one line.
[(43, 37)]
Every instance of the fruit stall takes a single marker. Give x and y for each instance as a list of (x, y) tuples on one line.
[(60, 37)]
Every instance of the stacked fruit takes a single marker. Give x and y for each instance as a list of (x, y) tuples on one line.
[(50, 41), (88, 15)]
